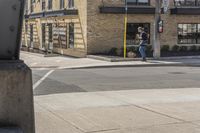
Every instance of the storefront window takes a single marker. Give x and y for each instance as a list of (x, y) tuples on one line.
[(71, 35), (138, 2), (189, 33), (43, 5), (50, 4), (62, 4), (71, 3), (31, 33), (60, 36), (50, 32), (31, 36), (132, 32), (187, 2), (43, 35)]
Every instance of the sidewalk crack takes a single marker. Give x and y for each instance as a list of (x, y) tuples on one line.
[(116, 129)]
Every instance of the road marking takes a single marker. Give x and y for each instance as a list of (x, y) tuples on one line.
[(42, 79)]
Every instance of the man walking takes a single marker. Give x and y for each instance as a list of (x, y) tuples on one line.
[(143, 42)]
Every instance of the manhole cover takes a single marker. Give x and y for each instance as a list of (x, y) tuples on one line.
[(177, 73)]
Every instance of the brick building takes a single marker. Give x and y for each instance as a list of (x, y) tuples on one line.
[(81, 27)]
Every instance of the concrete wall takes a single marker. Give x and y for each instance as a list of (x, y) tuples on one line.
[(16, 96)]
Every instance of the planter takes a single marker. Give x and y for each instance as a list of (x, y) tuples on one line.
[(188, 53), (131, 55)]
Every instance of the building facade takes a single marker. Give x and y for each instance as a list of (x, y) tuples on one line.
[(55, 26), (81, 27)]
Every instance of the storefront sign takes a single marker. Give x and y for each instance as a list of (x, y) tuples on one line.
[(59, 31), (59, 37)]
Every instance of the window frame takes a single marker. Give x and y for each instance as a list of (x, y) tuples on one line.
[(31, 33), (50, 32), (71, 35), (50, 4), (137, 3), (196, 34), (62, 4), (70, 4), (43, 29), (196, 3), (32, 6), (43, 5)]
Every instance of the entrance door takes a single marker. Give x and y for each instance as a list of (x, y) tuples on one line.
[(50, 37), (31, 36), (43, 35), (71, 35)]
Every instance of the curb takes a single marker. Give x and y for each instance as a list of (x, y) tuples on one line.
[(96, 57), (132, 65), (121, 66), (115, 59), (40, 54), (10, 130)]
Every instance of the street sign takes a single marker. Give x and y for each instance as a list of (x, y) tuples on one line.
[(160, 26), (165, 5), (11, 14)]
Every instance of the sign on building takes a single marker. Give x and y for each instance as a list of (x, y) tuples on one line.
[(59, 37), (165, 5)]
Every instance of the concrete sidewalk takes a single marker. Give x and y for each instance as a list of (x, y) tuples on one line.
[(40, 62), (121, 59), (131, 111)]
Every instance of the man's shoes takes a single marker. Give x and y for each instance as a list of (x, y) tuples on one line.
[(144, 59)]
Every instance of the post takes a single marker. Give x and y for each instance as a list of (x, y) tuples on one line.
[(16, 93), (156, 39), (125, 28)]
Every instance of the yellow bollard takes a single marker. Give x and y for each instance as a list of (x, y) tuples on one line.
[(125, 30)]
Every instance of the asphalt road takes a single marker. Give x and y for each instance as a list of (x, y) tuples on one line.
[(112, 79)]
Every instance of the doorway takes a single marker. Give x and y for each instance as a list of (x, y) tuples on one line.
[(43, 36), (71, 35)]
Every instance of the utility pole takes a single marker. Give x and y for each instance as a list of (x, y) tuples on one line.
[(16, 92), (156, 39)]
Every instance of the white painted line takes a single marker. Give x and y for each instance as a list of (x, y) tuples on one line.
[(42, 79)]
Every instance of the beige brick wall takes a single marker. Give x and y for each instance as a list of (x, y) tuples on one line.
[(81, 5), (80, 24), (105, 31), (37, 6), (170, 35)]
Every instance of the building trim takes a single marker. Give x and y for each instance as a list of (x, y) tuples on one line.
[(131, 10), (55, 13), (185, 10)]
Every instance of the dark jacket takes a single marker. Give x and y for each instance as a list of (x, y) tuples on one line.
[(144, 39)]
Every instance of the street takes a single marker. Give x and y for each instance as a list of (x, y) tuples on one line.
[(104, 66), (72, 97), (113, 79)]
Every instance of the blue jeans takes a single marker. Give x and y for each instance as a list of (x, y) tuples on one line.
[(142, 50)]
